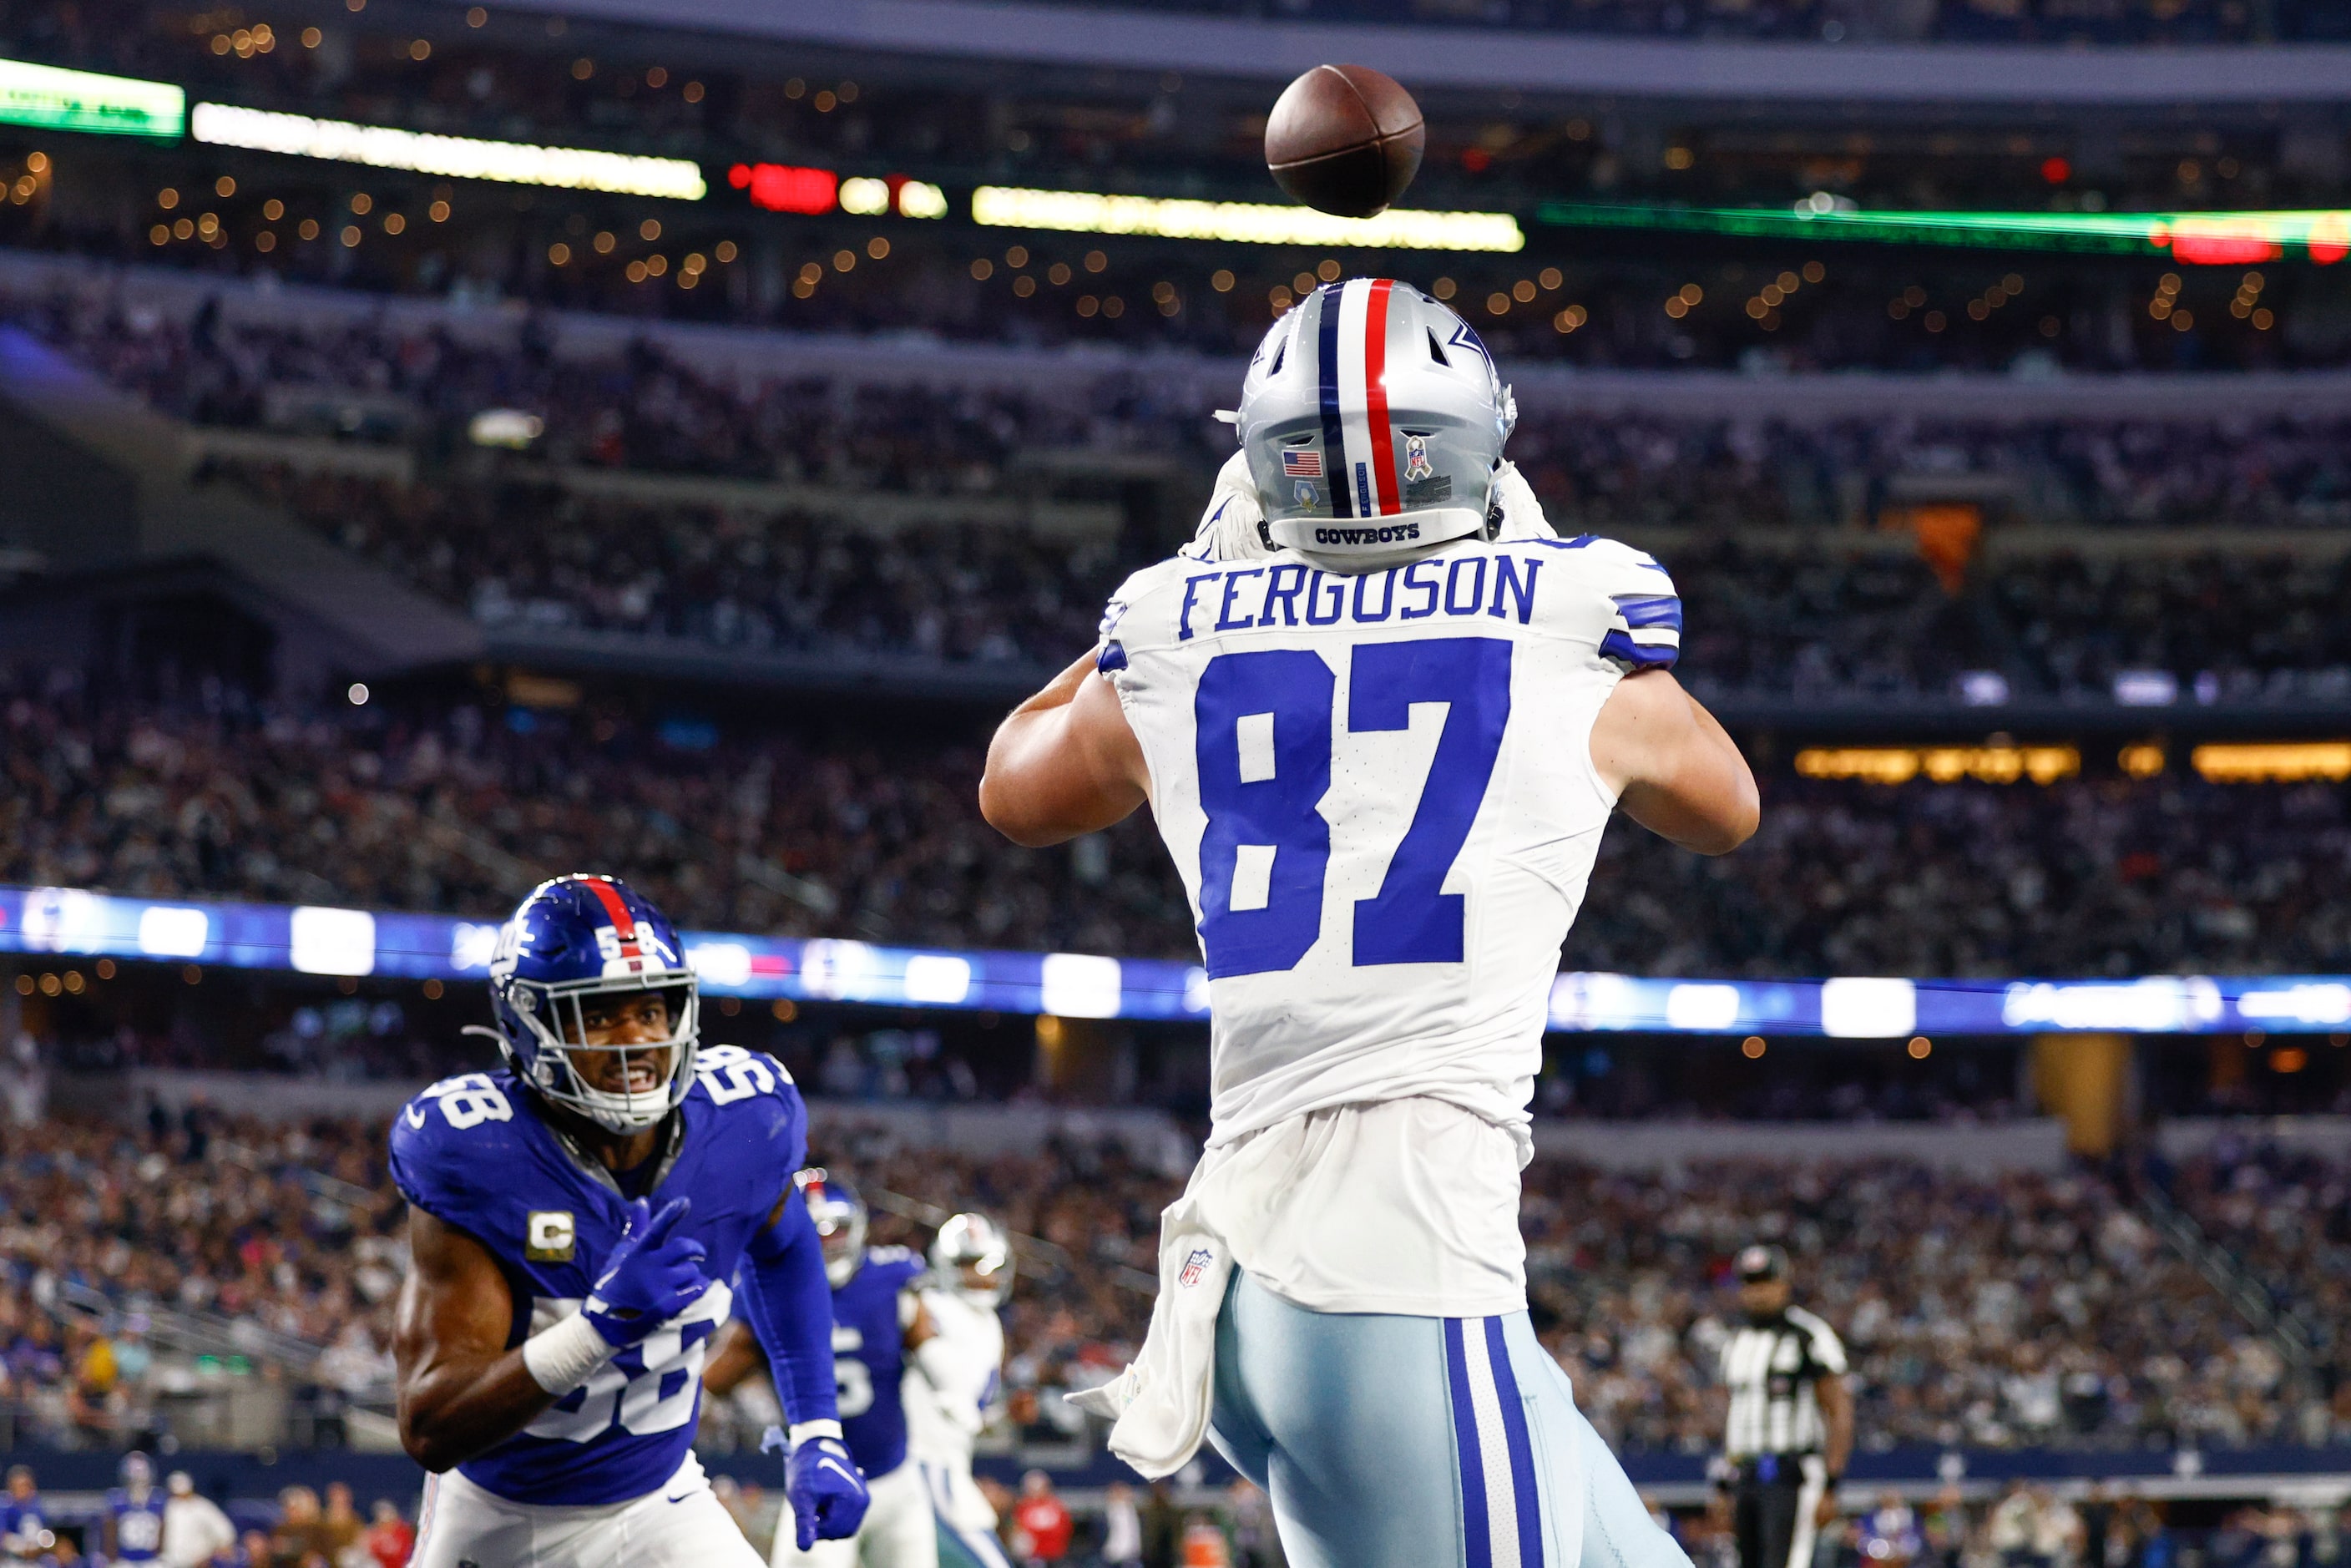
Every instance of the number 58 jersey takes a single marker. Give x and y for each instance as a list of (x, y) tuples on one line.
[(1379, 791), (472, 1152)]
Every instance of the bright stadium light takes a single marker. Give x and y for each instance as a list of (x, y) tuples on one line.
[(1246, 223), (2212, 238), (457, 157), (58, 99)]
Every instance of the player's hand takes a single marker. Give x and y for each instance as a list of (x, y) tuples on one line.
[(1824, 1512), (653, 1275), (827, 1493)]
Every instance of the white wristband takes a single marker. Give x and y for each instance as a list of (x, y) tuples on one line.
[(564, 1355), (803, 1430)]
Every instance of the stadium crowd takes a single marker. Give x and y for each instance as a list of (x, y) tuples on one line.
[(649, 409), (125, 1248), (460, 808)]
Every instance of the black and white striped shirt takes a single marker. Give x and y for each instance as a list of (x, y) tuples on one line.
[(1771, 1372)]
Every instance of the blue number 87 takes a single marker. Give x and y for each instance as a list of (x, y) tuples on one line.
[(1262, 724)]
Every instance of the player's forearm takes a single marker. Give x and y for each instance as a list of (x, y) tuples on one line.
[(451, 1411), (787, 1301)]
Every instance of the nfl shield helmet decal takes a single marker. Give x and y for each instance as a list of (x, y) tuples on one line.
[(1415, 458)]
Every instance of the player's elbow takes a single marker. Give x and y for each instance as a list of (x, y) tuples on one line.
[(1011, 809), (1735, 820), (429, 1439)]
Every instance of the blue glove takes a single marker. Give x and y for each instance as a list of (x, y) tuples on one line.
[(826, 1489), (653, 1275)]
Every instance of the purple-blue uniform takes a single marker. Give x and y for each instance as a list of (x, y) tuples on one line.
[(869, 1358), (138, 1525), (471, 1153)]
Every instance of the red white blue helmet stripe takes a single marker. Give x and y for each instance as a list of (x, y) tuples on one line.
[(1352, 358)]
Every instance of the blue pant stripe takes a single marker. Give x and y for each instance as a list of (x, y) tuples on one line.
[(1476, 1532), (1522, 1452)]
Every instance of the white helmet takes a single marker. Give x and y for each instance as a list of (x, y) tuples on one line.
[(973, 1241), (1373, 422)]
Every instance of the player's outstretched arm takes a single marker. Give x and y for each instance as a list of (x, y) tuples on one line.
[(1676, 771), (461, 1389), (1065, 763)]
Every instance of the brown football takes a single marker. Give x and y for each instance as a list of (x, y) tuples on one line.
[(1345, 139)]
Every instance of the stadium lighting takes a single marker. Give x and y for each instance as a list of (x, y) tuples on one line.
[(1244, 223), (1940, 764), (457, 157), (2214, 239), (59, 99), (2285, 762)]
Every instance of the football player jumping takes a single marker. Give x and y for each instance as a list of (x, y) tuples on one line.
[(573, 1217), (1381, 714)]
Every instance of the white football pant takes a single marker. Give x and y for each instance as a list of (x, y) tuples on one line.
[(681, 1525), (897, 1532)]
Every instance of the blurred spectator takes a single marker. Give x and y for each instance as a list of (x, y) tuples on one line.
[(1255, 1541), (1122, 1544), (302, 1533), (1042, 1524), (389, 1538), (194, 1528), (340, 1523)]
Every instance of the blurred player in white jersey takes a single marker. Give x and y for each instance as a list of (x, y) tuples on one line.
[(954, 1375), (1381, 714)]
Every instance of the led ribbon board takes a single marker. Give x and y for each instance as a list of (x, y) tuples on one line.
[(2205, 238), (54, 926), (1244, 223), (457, 157), (56, 100)]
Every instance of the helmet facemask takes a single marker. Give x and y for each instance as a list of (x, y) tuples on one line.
[(557, 1016)]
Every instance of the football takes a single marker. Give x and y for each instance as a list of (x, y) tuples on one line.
[(1346, 139)]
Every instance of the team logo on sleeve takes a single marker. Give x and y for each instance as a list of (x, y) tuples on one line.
[(549, 1236), (1196, 1267)]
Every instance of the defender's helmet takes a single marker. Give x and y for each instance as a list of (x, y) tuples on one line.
[(839, 1216), (971, 1244), (136, 1473), (1373, 420), (575, 940)]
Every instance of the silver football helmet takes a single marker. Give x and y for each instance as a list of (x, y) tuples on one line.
[(971, 1255), (1373, 420)]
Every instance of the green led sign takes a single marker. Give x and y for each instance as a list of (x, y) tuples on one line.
[(57, 100), (2206, 238)]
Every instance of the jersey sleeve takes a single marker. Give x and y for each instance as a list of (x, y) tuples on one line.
[(445, 1138), (1820, 1343), (1644, 625)]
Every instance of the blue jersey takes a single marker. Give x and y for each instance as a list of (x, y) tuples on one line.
[(471, 1151), (869, 1358), (21, 1521), (138, 1526)]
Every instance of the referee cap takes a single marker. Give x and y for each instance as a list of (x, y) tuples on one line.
[(1761, 1262)]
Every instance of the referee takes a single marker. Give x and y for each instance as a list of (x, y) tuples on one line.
[(1789, 1428)]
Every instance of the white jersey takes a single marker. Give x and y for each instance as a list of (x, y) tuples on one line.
[(1379, 792), (951, 1378)]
